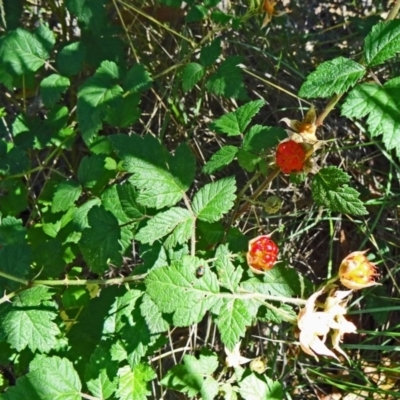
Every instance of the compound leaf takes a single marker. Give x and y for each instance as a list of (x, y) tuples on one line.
[(65, 196), (234, 123), (332, 77), (329, 189), (215, 199), (221, 158)]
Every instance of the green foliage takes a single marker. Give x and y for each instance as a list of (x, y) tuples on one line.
[(381, 105), (330, 189), (332, 77), (135, 158)]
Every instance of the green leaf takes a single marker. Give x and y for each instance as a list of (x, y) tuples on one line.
[(133, 382), (154, 319), (221, 158), (93, 173), (332, 77), (15, 259), (176, 289), (191, 74), (215, 199), (166, 222), (382, 105), (235, 123), (65, 196), (256, 387), (232, 321), (194, 376), (260, 138), (12, 14), (49, 378), (279, 281), (161, 178), (196, 13), (382, 43), (209, 54), (100, 243), (29, 321), (124, 111), (137, 79), (11, 231), (228, 80), (128, 197), (23, 51), (228, 275), (95, 96), (248, 160), (329, 189), (52, 87), (70, 59), (120, 312)]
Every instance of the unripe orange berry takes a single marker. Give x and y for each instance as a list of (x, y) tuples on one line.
[(357, 272), (290, 156), (262, 254)]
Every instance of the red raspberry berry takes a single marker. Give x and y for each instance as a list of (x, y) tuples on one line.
[(290, 157), (262, 254)]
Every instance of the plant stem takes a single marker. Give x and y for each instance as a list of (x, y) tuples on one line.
[(394, 11)]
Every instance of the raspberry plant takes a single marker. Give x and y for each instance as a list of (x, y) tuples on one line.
[(117, 233)]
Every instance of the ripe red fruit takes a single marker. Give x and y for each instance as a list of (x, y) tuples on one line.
[(262, 254), (290, 156)]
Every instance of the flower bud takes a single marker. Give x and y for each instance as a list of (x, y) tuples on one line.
[(273, 204), (357, 272), (262, 254)]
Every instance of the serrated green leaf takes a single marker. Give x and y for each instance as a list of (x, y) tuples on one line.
[(279, 281), (221, 158), (23, 51), (255, 387), (332, 77), (133, 383), (52, 87), (128, 197), (161, 178), (382, 43), (29, 321), (15, 259), (209, 54), (232, 321), (228, 80), (194, 376), (260, 138), (92, 172), (214, 200), (176, 289), (137, 79), (11, 231), (120, 312), (49, 378), (235, 123), (191, 74), (124, 111), (166, 222), (100, 372), (228, 275), (65, 196), (100, 242), (196, 13), (154, 319), (382, 105), (248, 160), (328, 189), (70, 59), (94, 96)]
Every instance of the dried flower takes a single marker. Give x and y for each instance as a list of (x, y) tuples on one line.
[(233, 358), (262, 253), (315, 325), (357, 272), (268, 7)]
